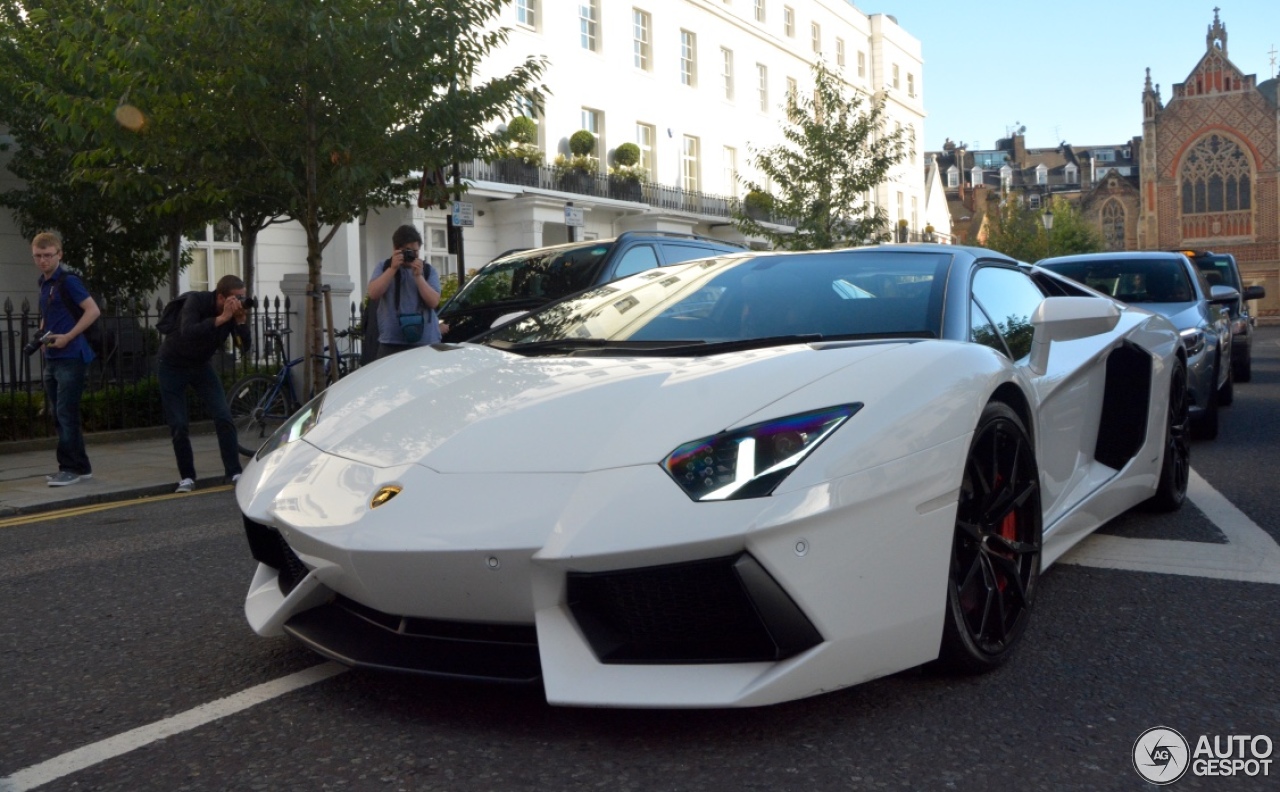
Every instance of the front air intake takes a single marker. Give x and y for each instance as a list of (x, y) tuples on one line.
[(720, 610)]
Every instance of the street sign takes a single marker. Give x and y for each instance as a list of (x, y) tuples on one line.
[(573, 216), (464, 213)]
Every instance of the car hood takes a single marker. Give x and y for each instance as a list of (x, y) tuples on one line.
[(473, 408), (1184, 315)]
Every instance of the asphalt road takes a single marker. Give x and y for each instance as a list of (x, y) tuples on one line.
[(118, 619)]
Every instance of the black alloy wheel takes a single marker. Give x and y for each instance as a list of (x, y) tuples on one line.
[(995, 553), (1175, 471)]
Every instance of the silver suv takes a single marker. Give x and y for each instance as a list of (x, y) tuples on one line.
[(1220, 270)]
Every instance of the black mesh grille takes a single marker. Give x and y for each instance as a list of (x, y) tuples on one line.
[(269, 547), (699, 612), (357, 635)]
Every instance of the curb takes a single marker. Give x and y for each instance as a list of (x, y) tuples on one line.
[(115, 496), (102, 438)]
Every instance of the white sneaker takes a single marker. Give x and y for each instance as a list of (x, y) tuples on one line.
[(235, 478), (186, 485)]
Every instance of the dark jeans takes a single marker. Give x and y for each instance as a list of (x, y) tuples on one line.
[(63, 384), (174, 381)]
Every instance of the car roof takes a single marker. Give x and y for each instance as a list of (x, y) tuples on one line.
[(646, 236), (1117, 255)]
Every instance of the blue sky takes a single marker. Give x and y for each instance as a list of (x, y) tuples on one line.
[(1070, 72)]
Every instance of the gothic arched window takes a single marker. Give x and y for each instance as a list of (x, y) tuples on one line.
[(1216, 177), (1113, 225)]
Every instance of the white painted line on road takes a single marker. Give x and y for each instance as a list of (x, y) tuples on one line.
[(1250, 555), (89, 755)]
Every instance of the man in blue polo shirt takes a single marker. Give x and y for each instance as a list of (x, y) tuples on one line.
[(66, 354)]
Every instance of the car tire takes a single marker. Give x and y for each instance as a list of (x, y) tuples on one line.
[(1175, 470), (1205, 426), (995, 553), (1242, 366)]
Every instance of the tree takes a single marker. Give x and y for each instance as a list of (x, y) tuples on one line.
[(823, 177), (115, 243), (1017, 230), (318, 110)]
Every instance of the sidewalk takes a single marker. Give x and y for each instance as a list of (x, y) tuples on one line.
[(125, 466)]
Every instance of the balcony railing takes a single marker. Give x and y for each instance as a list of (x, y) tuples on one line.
[(596, 185)]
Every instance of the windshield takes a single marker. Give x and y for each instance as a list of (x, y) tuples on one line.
[(743, 298), (1135, 280), (539, 276), (1218, 271)]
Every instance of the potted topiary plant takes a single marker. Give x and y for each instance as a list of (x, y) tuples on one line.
[(577, 171), (626, 174), (758, 205), (521, 157), (902, 230)]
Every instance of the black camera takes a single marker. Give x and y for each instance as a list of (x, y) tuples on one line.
[(34, 344), (249, 303), (409, 254)]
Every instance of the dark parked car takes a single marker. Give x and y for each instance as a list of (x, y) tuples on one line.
[(521, 281), (1221, 269), (1170, 285)]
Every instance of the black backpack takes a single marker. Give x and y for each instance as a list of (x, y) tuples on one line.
[(171, 318), (93, 333)]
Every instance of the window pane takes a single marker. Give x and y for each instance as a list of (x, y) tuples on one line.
[(1009, 298)]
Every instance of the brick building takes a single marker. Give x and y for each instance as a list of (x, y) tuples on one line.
[(1205, 173), (1210, 167)]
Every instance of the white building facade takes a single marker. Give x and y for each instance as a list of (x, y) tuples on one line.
[(696, 84)]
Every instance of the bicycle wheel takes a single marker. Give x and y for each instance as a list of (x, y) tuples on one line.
[(257, 408), (347, 363)]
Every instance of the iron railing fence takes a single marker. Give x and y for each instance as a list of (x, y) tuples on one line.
[(598, 185), (121, 391)]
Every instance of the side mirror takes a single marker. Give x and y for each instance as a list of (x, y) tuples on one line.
[(1068, 319), (1254, 292), (1223, 295)]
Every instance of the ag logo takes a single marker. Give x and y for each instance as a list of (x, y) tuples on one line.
[(1160, 755)]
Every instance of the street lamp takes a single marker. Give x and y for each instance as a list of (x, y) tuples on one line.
[(1047, 219)]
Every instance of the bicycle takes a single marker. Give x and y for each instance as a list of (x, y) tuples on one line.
[(260, 402)]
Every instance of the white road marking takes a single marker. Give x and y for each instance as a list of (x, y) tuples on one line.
[(1250, 555), (89, 755)]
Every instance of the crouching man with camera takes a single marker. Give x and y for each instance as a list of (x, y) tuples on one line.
[(408, 292), (186, 354), (67, 353)]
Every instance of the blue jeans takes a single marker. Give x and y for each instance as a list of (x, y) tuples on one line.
[(63, 384), (174, 381)]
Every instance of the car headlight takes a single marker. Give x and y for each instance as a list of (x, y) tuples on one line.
[(294, 427), (1193, 340), (752, 461)]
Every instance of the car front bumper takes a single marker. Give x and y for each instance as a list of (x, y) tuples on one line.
[(473, 575)]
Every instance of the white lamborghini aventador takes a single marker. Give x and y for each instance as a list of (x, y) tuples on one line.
[(731, 482)]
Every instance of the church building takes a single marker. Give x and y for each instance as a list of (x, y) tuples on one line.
[(1210, 167)]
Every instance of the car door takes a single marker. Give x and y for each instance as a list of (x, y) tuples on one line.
[(1067, 397)]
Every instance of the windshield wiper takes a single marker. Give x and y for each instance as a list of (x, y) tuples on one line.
[(718, 347)]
